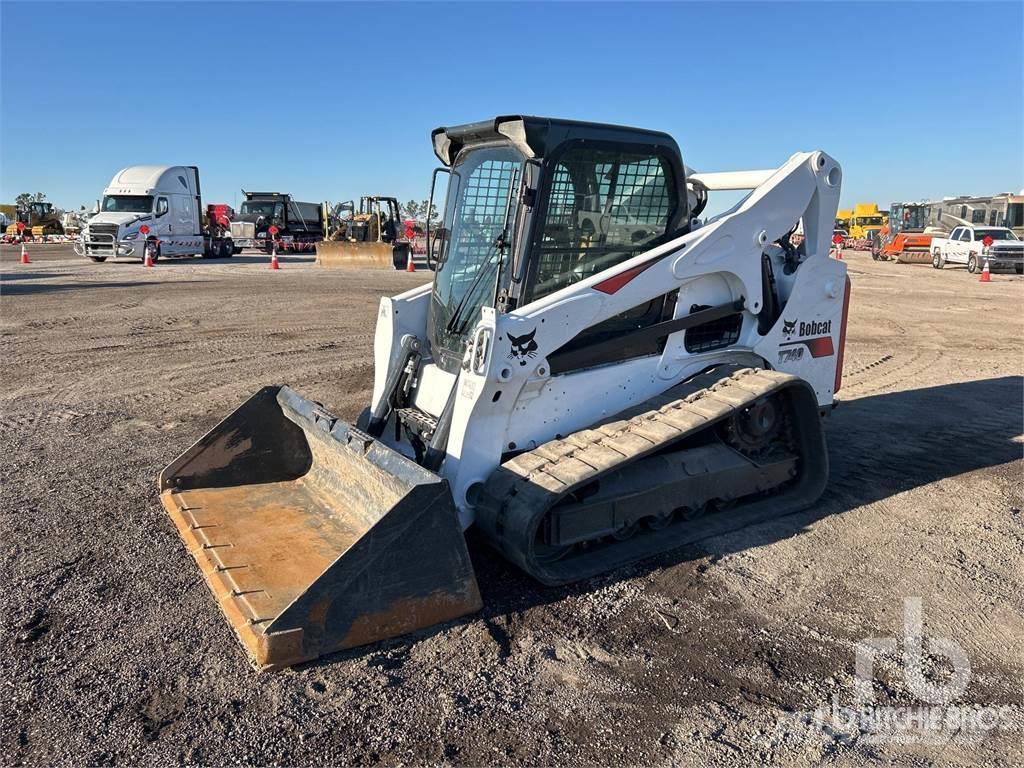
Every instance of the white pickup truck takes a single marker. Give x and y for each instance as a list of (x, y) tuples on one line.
[(971, 245)]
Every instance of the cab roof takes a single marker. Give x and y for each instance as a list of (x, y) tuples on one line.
[(152, 176), (143, 179), (538, 136)]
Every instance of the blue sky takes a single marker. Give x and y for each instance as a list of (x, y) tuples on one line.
[(330, 101)]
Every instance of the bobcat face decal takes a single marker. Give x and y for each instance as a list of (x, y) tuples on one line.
[(788, 328), (523, 347)]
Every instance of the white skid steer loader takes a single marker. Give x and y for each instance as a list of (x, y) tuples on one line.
[(594, 376)]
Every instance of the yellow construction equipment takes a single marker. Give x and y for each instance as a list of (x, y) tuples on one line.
[(372, 237), (39, 219), (843, 219), (865, 224)]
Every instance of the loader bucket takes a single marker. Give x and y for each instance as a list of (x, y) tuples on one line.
[(313, 536), (343, 253)]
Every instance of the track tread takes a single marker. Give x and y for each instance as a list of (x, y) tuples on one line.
[(654, 423), (521, 490)]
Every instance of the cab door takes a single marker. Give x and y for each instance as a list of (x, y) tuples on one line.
[(953, 249), (183, 222), (969, 244), (162, 226)]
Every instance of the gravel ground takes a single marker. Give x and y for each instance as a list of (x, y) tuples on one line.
[(116, 653)]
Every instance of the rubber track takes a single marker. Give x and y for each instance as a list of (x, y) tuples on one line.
[(527, 486)]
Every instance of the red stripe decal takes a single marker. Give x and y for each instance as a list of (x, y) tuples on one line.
[(613, 284), (820, 347)]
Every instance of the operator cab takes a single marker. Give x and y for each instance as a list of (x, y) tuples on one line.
[(376, 221), (536, 204), (907, 217)]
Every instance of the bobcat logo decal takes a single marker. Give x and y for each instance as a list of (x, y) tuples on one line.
[(523, 347), (788, 328)]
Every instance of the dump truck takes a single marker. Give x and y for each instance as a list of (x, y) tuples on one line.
[(373, 236), (585, 396), (865, 225), (158, 208), (39, 218), (299, 225)]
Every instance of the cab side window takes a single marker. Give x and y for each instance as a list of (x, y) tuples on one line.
[(604, 206), (161, 206)]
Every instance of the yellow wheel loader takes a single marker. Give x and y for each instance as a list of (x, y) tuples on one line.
[(372, 237), (592, 377)]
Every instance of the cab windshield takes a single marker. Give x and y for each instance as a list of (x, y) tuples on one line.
[(127, 203), (909, 218), (268, 209), (467, 270)]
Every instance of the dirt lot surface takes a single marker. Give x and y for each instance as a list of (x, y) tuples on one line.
[(115, 652)]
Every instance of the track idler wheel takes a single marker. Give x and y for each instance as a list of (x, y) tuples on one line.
[(756, 429)]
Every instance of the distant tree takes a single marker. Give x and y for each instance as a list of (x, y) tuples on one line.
[(25, 198), (434, 215), (411, 210)]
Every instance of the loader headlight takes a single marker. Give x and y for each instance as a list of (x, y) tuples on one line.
[(130, 236)]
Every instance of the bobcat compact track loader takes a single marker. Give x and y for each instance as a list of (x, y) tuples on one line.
[(593, 376)]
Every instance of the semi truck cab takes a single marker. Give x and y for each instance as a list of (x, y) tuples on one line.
[(163, 199)]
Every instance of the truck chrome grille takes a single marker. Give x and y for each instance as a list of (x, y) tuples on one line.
[(103, 229), (243, 229)]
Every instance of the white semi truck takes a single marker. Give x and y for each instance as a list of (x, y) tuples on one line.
[(156, 204)]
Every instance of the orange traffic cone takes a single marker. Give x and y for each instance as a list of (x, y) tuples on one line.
[(24, 254), (273, 258), (148, 262), (409, 266), (986, 277)]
